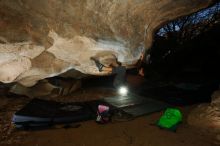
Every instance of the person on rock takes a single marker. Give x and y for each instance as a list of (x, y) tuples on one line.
[(116, 68)]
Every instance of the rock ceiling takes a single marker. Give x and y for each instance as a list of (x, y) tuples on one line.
[(44, 38)]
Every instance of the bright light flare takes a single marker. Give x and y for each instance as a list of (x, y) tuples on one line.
[(123, 91)]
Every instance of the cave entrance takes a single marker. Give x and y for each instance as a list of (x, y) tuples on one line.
[(184, 58)]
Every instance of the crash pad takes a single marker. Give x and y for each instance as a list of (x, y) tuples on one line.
[(136, 105), (40, 112)]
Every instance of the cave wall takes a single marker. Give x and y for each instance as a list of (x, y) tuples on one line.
[(44, 38)]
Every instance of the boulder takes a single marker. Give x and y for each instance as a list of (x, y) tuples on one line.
[(45, 38), (207, 116)]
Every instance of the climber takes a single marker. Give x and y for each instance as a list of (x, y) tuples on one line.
[(115, 68), (140, 65), (120, 71)]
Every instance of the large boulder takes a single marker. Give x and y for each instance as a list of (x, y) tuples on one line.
[(45, 38), (207, 116)]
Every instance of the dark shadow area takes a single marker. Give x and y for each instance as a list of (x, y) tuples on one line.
[(184, 59)]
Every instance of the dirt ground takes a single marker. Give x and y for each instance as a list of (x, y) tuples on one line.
[(138, 132)]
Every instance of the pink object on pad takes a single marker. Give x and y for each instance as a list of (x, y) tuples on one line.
[(103, 108)]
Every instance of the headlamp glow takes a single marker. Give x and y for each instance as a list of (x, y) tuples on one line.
[(123, 91)]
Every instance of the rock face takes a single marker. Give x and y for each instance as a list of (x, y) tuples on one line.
[(207, 116), (44, 38), (45, 89)]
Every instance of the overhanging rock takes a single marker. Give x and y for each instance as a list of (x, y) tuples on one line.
[(44, 38)]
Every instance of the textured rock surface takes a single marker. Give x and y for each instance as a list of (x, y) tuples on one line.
[(207, 116), (45, 38), (45, 89)]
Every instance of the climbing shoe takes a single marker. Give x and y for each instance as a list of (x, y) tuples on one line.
[(98, 64)]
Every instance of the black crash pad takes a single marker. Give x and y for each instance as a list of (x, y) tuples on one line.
[(42, 112), (136, 105)]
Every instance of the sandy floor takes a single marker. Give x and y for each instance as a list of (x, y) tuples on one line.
[(139, 132)]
